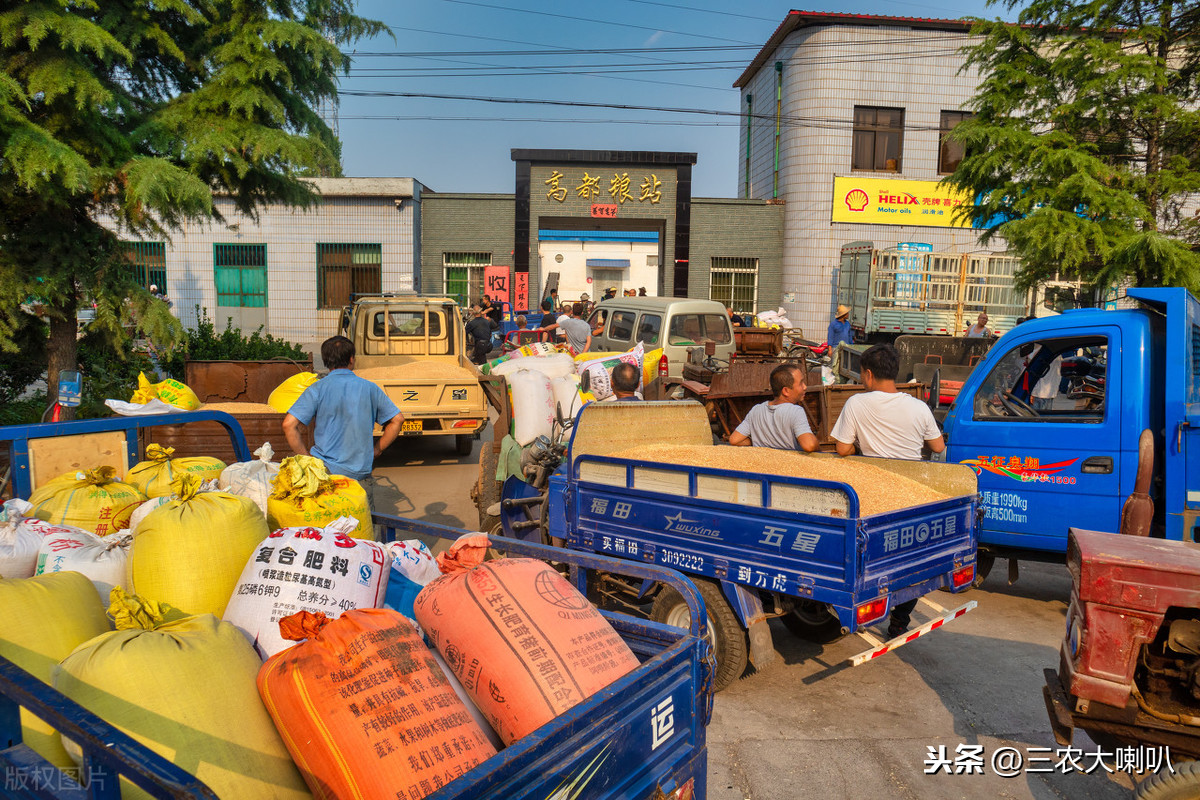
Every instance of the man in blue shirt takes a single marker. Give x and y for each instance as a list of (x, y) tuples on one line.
[(839, 330), (343, 409)]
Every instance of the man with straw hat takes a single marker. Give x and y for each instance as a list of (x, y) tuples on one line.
[(839, 331)]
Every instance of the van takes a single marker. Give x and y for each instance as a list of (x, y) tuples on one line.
[(674, 324)]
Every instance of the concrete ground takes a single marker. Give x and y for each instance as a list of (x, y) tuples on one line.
[(808, 726)]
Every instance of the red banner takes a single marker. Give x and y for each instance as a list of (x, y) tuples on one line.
[(521, 293), (495, 283), (604, 210)]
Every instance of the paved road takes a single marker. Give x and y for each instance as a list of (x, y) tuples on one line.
[(809, 727)]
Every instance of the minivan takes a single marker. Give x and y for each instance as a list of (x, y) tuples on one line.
[(676, 324)]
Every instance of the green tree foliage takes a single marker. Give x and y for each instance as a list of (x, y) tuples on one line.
[(133, 112), (203, 343), (1084, 147)]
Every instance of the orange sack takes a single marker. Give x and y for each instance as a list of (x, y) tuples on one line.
[(524, 643), (364, 709)]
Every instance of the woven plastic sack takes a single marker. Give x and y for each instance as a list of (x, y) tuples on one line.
[(170, 391), (323, 571), (143, 511), (365, 710), (254, 479), (19, 542), (91, 500), (567, 399), (532, 405), (412, 566), (155, 475), (524, 643), (44, 619), (104, 560), (552, 366), (288, 392), (190, 552), (183, 686), (306, 495)]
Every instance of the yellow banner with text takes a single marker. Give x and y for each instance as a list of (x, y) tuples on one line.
[(893, 201)]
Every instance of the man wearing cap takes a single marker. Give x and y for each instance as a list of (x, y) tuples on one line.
[(839, 329), (609, 293)]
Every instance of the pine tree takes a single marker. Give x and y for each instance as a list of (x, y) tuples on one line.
[(136, 111), (1084, 146)]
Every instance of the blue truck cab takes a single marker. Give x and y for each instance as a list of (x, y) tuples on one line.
[(757, 546), (1050, 421)]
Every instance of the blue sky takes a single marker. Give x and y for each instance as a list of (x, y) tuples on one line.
[(685, 55)]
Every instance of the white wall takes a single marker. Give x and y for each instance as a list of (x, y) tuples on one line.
[(574, 272)]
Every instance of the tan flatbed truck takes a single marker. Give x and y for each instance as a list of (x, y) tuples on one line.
[(414, 348)]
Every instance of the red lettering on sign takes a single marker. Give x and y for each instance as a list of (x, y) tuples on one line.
[(521, 293), (604, 210)]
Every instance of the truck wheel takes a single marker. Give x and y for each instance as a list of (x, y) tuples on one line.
[(814, 622), (726, 635), (487, 488), (983, 565), (464, 443), (1182, 784)]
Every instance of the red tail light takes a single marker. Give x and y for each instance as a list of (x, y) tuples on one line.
[(869, 612), (664, 369), (963, 575)]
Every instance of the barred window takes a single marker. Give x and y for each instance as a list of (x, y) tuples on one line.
[(878, 139), (147, 263), (734, 282), (344, 270), (240, 272), (464, 275)]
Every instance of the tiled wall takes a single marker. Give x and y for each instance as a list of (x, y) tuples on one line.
[(291, 237), (826, 72)]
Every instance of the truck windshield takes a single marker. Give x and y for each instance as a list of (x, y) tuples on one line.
[(1055, 380), (698, 328), (407, 323)]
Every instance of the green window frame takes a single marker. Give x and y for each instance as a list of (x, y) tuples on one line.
[(240, 274), (147, 263), (463, 275), (345, 270)]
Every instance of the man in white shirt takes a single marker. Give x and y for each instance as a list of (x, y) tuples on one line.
[(886, 424), (781, 421)]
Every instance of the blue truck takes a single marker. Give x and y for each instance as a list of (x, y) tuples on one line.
[(642, 736), (757, 546), (1052, 419)]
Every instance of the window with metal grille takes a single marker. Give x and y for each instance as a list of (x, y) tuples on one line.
[(734, 282), (950, 153), (344, 270), (240, 272), (878, 139), (147, 263), (464, 275)]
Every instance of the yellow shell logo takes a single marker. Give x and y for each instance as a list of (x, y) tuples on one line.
[(856, 199)]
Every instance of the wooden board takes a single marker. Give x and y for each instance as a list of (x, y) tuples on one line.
[(49, 458), (211, 439)]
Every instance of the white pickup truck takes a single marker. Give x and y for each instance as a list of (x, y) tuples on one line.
[(414, 348)]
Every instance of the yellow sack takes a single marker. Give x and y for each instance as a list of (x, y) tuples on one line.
[(44, 619), (169, 391), (650, 365), (183, 686), (91, 500), (289, 391), (307, 495), (155, 475), (190, 552)]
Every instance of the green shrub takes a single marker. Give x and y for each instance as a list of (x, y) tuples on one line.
[(203, 343)]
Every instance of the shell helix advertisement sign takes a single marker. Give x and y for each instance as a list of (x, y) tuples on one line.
[(892, 201)]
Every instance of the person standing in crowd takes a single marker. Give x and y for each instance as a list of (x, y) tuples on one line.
[(780, 422), (625, 380), (839, 329), (609, 293), (886, 423), (479, 328), (577, 331), (979, 330), (734, 319), (547, 321), (522, 323), (343, 409), (641, 291), (491, 311)]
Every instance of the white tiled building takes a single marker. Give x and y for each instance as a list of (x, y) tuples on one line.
[(291, 270), (861, 97)]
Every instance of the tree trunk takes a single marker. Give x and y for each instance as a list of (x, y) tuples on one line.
[(63, 351)]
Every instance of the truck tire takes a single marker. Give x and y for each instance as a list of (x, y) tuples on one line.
[(487, 488), (814, 622), (464, 443), (726, 635), (1182, 784)]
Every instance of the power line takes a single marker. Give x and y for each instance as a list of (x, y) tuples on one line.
[(704, 10), (594, 21)]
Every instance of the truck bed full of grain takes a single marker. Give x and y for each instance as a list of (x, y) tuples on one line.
[(418, 371), (878, 490)]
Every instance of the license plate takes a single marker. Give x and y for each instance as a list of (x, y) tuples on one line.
[(412, 426)]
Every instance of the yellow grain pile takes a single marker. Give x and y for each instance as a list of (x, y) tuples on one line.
[(417, 371), (239, 408), (878, 490)]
